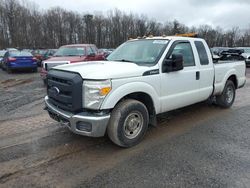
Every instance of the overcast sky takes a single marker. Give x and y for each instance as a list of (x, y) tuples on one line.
[(223, 13)]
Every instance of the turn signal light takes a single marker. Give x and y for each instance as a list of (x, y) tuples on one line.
[(104, 91)]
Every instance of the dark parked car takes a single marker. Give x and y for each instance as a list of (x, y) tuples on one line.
[(49, 53), (105, 52), (218, 50), (39, 54), (43, 54), (16, 60)]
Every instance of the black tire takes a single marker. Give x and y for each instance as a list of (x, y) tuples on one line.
[(119, 129), (226, 99)]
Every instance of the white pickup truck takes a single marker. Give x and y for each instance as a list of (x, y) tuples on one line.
[(140, 79)]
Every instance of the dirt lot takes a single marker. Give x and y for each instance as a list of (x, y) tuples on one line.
[(198, 146)]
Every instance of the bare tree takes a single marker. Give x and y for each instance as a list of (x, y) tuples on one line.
[(22, 25)]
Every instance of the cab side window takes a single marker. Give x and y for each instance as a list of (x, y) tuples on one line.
[(202, 52), (89, 51), (94, 49), (185, 49)]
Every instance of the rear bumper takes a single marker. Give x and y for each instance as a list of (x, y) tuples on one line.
[(22, 67), (82, 123)]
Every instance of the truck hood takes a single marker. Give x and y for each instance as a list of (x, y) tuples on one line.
[(105, 69)]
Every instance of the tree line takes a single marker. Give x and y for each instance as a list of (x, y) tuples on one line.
[(23, 26)]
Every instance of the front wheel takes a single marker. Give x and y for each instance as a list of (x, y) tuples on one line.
[(226, 99), (128, 123)]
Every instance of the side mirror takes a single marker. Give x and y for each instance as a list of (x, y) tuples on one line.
[(175, 63), (92, 55)]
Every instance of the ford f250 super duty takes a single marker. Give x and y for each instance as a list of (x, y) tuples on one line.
[(140, 79)]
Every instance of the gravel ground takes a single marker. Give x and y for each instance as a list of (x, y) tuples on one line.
[(19, 90), (197, 146)]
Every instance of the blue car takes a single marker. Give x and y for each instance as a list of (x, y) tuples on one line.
[(17, 60)]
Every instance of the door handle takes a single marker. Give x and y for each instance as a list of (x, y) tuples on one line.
[(197, 75)]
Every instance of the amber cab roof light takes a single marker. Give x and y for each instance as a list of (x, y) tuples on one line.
[(195, 35)]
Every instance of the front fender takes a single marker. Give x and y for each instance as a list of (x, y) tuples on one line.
[(118, 93)]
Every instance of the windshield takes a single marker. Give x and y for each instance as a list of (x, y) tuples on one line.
[(140, 52), (70, 51)]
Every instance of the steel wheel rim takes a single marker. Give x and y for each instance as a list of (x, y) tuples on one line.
[(133, 125), (229, 94)]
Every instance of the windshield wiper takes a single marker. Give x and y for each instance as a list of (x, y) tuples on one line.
[(124, 60)]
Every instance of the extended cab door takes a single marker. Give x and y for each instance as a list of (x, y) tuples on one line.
[(180, 88), (206, 69)]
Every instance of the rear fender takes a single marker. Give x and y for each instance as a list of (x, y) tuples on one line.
[(219, 87)]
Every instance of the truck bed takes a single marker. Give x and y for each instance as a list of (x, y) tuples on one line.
[(223, 69)]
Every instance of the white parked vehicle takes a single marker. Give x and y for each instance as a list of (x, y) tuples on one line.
[(142, 78)]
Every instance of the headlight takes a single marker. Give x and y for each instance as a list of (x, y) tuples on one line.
[(94, 93)]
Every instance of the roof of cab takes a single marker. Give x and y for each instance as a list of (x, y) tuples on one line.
[(168, 38), (77, 45)]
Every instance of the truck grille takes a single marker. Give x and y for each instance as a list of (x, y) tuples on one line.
[(65, 90)]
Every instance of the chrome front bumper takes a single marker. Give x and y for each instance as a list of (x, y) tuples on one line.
[(82, 123)]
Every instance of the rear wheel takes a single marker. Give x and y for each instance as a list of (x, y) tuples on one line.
[(226, 99), (128, 123)]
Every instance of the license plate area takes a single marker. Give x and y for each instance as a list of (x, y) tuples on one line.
[(59, 119)]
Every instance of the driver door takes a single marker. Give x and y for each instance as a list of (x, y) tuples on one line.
[(180, 88)]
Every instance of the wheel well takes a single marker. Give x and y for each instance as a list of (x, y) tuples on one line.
[(234, 80), (147, 101)]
